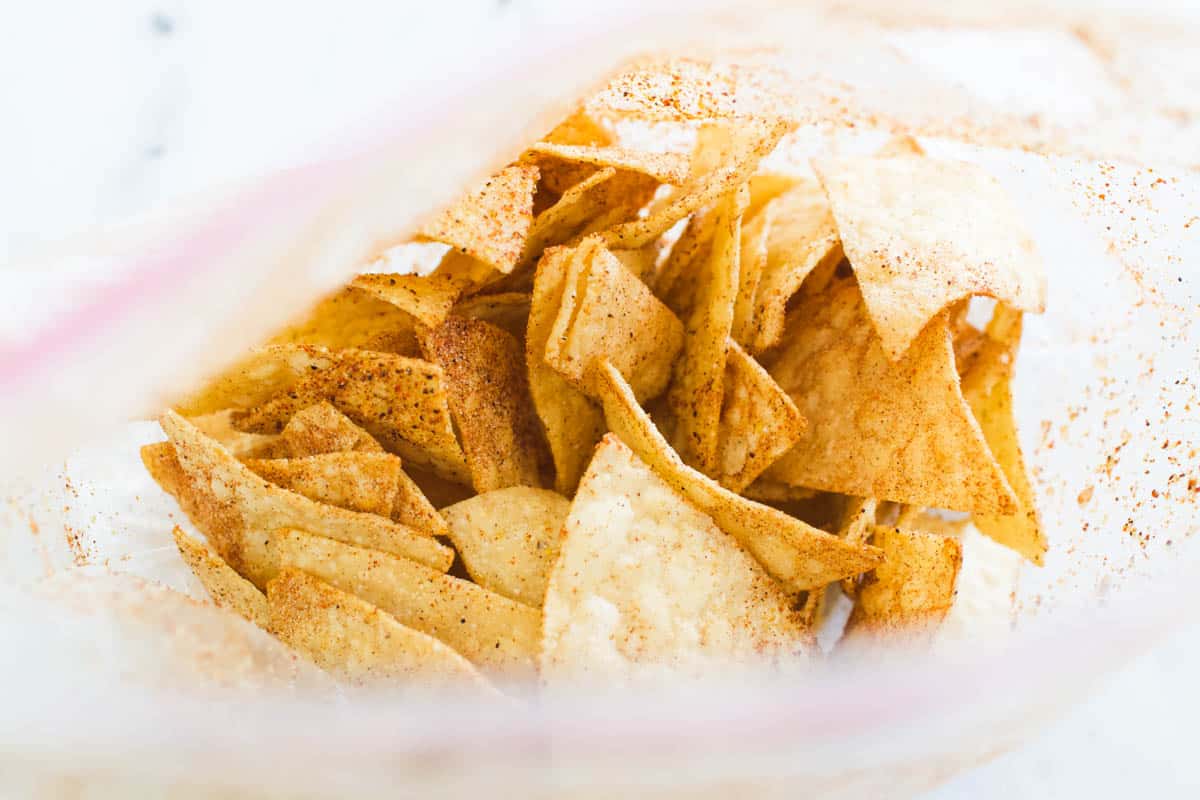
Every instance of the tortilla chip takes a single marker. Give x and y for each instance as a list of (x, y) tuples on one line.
[(753, 260), (508, 310), (894, 430), (427, 298), (801, 240), (607, 312), (662, 167), (793, 552), (402, 402), (321, 429), (579, 128), (765, 187), (489, 397), (219, 425), (238, 511), (738, 157), (573, 422), (641, 262), (438, 491), (759, 422), (357, 642), (366, 482), (913, 589), (226, 588), (491, 221), (264, 373), (856, 524), (921, 234), (768, 491), (648, 588), (688, 89), (489, 630), (508, 539), (350, 318), (987, 387), (696, 385), (578, 204)]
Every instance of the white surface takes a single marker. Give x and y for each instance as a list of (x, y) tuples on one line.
[(117, 108)]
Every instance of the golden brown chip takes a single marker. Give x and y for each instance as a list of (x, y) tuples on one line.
[(988, 389), (219, 425), (912, 590), (696, 385), (508, 539), (768, 491), (320, 429), (400, 401), (648, 588), (367, 482), (238, 511), (753, 260), (573, 422), (663, 167), (350, 318), (640, 262), (689, 89), (359, 643), (427, 298), (491, 221), (759, 422), (737, 157), (894, 430), (607, 312), (438, 491), (227, 588), (264, 373), (921, 234), (802, 238), (489, 397), (488, 629), (508, 310), (765, 187), (795, 553), (855, 525)]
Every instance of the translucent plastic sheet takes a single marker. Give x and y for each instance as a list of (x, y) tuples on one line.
[(1106, 402)]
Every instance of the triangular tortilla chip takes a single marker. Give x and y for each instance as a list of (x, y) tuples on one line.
[(508, 310), (320, 429), (573, 422), (490, 630), (663, 167), (402, 402), (508, 539), (921, 234), (756, 232), (793, 552), (688, 89), (261, 375), (366, 482), (895, 430), (912, 590), (359, 643), (489, 398), (759, 422), (696, 384), (491, 221), (238, 511), (988, 388), (648, 588), (219, 425), (607, 312), (227, 588), (737, 157), (577, 205), (350, 318), (427, 298), (802, 238)]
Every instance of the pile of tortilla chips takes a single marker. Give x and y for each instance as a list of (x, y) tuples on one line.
[(648, 413)]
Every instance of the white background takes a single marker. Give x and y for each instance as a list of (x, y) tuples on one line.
[(113, 109)]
